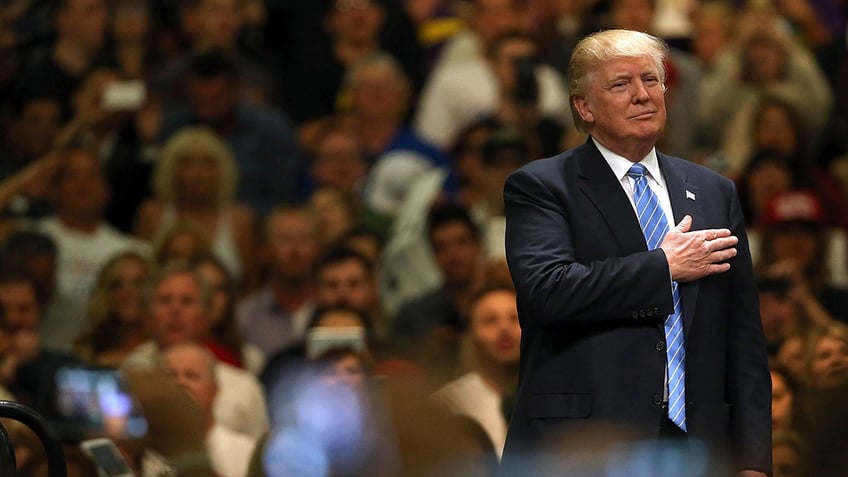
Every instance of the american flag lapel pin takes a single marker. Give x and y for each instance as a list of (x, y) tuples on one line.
[(690, 195)]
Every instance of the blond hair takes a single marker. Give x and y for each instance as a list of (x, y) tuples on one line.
[(195, 140)]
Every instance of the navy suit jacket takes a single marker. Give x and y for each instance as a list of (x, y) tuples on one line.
[(592, 300)]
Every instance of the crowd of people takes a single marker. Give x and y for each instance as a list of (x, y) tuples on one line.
[(294, 210)]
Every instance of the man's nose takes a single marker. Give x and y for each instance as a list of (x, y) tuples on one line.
[(640, 93)]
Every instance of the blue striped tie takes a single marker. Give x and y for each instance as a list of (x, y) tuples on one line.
[(655, 227)]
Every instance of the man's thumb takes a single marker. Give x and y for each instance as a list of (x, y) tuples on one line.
[(685, 224)]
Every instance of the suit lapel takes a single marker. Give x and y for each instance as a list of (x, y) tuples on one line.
[(603, 189), (684, 198)]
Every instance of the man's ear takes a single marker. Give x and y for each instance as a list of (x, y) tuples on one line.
[(583, 109)]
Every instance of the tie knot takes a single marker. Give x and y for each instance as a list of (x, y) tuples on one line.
[(637, 171)]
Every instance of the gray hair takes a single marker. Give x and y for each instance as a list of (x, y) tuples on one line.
[(601, 47)]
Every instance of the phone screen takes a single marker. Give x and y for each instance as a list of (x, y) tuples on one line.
[(96, 401)]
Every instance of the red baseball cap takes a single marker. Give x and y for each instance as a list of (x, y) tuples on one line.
[(793, 206)]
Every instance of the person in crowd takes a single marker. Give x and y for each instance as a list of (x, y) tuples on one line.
[(798, 245), (823, 426), (176, 425), (344, 277), (607, 245), (458, 94), (827, 356), (764, 60), (178, 309), (27, 366), (225, 340), (80, 36), (334, 214), (261, 139), (194, 368), (339, 162), (485, 21), (433, 322), (787, 308), (124, 132), (785, 400), (275, 316), (34, 254), (495, 334), (33, 126), (131, 46), (216, 26), (712, 31), (182, 241), (313, 44), (195, 181), (790, 355), (115, 311), (84, 241), (467, 155)]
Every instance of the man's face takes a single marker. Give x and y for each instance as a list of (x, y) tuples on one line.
[(177, 313), (36, 127), (292, 244), (81, 189), (219, 22), (457, 251), (340, 163), (19, 305), (191, 367), (212, 99), (494, 327), (379, 92), (346, 283), (85, 22), (625, 106)]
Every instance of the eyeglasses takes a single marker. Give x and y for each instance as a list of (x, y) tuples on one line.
[(348, 5)]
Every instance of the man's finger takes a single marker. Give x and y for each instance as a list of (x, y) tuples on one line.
[(685, 224)]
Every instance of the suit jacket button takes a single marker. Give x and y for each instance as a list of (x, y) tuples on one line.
[(642, 314), (657, 399), (650, 312), (657, 310), (660, 345), (635, 314)]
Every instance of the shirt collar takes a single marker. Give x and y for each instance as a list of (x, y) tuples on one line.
[(620, 165)]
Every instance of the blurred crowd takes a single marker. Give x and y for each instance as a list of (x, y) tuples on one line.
[(293, 210)]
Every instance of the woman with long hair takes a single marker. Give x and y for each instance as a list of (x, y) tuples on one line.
[(115, 311)]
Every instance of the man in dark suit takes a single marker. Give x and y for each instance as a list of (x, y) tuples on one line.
[(598, 296)]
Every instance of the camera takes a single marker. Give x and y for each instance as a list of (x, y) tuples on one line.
[(526, 83)]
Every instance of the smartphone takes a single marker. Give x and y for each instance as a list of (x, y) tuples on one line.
[(322, 339), (124, 95), (108, 458), (97, 403)]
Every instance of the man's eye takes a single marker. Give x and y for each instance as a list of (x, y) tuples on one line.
[(651, 81), (619, 86)]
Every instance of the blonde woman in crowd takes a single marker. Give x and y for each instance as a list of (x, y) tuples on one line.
[(115, 311), (195, 181)]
